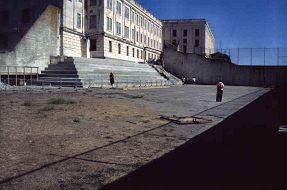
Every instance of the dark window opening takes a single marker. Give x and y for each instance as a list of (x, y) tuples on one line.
[(127, 50), (196, 43), (196, 32), (119, 48), (110, 46), (93, 2), (93, 45), (174, 33), (26, 16), (133, 52), (174, 42), (184, 41), (138, 54), (4, 18), (3, 41), (185, 33), (184, 49)]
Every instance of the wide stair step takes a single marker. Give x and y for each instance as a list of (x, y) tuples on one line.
[(92, 72)]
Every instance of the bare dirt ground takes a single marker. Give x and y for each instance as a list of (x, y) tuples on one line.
[(36, 129), (87, 138)]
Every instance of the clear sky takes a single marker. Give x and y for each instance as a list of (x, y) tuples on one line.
[(234, 23)]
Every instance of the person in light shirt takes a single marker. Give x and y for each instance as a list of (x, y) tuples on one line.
[(219, 93)]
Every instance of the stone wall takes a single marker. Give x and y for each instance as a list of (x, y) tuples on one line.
[(208, 71), (39, 43)]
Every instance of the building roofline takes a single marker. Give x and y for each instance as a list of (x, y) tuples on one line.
[(185, 20)]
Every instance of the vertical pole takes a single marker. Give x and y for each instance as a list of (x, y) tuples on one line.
[(251, 56), (238, 56), (37, 73), (24, 76), (31, 76), (277, 56), (264, 67), (8, 75), (16, 77)]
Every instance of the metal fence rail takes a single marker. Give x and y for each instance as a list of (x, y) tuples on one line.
[(255, 56)]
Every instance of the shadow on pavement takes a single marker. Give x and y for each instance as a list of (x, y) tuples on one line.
[(245, 151)]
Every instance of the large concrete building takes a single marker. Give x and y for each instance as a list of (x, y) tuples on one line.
[(189, 35), (32, 31)]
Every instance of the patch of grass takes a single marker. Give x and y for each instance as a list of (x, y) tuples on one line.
[(60, 101), (27, 103), (137, 96), (48, 108)]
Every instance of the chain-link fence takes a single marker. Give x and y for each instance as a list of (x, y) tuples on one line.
[(255, 56)]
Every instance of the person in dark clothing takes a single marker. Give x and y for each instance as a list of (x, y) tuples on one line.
[(112, 80), (219, 93)]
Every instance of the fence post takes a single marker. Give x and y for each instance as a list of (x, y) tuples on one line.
[(31, 76), (238, 56), (251, 54), (277, 56), (24, 76), (8, 75), (16, 76), (37, 73)]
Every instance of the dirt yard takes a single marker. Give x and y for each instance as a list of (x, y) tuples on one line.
[(38, 126)]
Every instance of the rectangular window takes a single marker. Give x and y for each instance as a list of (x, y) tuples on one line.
[(137, 19), (174, 42), (141, 21), (141, 38), (80, 1), (127, 32), (93, 45), (3, 41), (26, 16), (109, 24), (93, 21), (145, 39), (93, 2), (127, 50), (79, 20), (119, 48), (4, 18), (184, 41), (196, 44), (110, 46), (184, 33), (138, 53), (133, 52), (197, 32), (110, 4), (118, 28), (133, 17), (173, 33), (119, 8), (184, 49), (137, 36), (133, 35), (127, 13)]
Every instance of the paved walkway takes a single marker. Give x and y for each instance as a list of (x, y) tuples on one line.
[(94, 168)]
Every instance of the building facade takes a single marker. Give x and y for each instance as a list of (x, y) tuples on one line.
[(33, 30), (189, 35), (123, 29)]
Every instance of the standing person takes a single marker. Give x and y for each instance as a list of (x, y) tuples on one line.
[(112, 80), (219, 93)]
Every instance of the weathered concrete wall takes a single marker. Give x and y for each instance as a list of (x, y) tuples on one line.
[(207, 71), (38, 44)]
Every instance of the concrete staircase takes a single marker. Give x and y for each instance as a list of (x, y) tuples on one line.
[(84, 72)]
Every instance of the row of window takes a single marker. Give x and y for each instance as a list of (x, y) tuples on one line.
[(184, 41), (139, 53), (134, 18), (184, 33), (136, 36)]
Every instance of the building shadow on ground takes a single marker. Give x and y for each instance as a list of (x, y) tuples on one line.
[(245, 151)]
